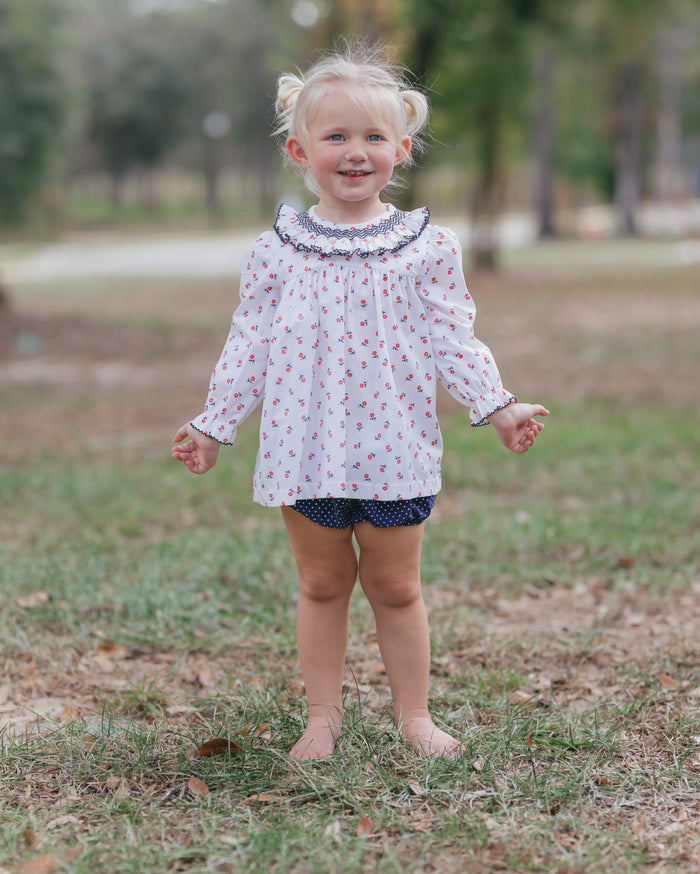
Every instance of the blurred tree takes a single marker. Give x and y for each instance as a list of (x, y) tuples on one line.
[(31, 101), (135, 94), (673, 44), (625, 31), (192, 83), (477, 52), (550, 31), (232, 52)]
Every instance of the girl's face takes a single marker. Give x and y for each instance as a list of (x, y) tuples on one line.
[(352, 156)]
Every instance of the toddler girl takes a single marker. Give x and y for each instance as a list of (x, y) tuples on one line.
[(350, 313)]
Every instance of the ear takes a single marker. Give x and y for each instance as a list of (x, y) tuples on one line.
[(296, 152), (403, 151)]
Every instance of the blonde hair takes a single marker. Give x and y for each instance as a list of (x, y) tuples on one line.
[(368, 80)]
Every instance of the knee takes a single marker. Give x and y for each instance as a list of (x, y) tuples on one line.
[(321, 585), (395, 594)]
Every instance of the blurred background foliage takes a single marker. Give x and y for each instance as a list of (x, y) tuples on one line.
[(135, 111)]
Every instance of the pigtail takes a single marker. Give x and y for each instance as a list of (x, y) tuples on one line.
[(417, 111), (289, 88)]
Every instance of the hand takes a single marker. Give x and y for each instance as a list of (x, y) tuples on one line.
[(199, 453), (515, 426)]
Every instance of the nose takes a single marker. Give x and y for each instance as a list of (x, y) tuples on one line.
[(356, 150)]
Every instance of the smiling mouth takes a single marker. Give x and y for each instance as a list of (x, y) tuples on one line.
[(355, 174)]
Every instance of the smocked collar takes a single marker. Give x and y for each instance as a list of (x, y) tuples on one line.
[(388, 233)]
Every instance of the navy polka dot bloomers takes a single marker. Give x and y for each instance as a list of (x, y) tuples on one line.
[(342, 512)]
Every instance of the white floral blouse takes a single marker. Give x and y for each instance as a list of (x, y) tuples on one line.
[(342, 332)]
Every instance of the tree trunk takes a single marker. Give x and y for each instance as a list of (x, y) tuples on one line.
[(487, 197), (544, 143), (630, 116), (668, 177)]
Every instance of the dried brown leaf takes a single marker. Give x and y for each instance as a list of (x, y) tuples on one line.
[(219, 746), (197, 787), (44, 864), (111, 651), (364, 827), (424, 824), (205, 678), (29, 837), (667, 681), (520, 696)]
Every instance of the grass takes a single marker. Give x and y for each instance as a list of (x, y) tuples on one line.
[(146, 611)]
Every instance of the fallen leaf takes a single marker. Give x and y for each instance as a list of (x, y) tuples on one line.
[(478, 765), (520, 696), (33, 599), (376, 668), (424, 824), (205, 678), (70, 714), (197, 787), (29, 837), (111, 651), (626, 561), (416, 788), (364, 827), (45, 864), (256, 730), (219, 746), (667, 681)]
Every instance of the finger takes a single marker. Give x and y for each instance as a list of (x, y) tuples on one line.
[(181, 433)]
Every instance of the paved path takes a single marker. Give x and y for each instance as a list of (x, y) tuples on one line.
[(210, 256), (220, 255)]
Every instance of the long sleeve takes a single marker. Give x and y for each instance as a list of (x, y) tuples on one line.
[(465, 365), (238, 380)]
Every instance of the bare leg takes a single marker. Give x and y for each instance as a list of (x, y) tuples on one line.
[(390, 577), (327, 567)]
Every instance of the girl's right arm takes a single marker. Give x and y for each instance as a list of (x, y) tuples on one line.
[(238, 379)]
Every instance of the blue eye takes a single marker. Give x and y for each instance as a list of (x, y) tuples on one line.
[(374, 138), (336, 138)]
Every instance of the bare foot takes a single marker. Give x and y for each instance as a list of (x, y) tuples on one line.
[(426, 739), (318, 741)]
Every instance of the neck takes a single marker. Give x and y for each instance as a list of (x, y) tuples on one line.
[(350, 213)]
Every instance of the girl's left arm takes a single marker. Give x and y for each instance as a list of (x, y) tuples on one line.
[(465, 365)]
